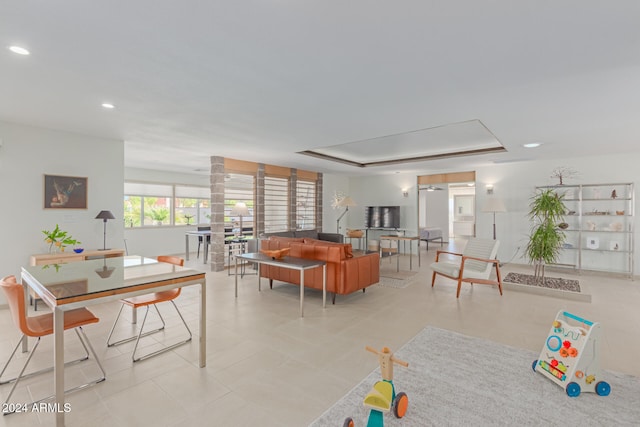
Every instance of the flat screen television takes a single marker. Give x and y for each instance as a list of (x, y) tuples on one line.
[(382, 216)]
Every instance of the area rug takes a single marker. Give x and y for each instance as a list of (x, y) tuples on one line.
[(456, 380), (397, 279)]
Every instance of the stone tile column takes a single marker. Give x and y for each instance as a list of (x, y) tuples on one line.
[(319, 190), (293, 199), (216, 254), (258, 208)]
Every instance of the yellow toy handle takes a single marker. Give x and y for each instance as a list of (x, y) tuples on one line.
[(386, 350)]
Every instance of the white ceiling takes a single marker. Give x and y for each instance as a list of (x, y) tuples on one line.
[(262, 80)]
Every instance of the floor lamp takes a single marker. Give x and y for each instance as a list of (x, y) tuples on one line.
[(240, 210), (104, 216), (345, 202), (493, 205)]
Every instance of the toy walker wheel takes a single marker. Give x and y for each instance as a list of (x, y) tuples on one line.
[(573, 389), (400, 404), (534, 364), (348, 422), (603, 388)]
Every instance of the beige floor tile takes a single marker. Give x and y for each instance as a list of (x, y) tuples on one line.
[(267, 366)]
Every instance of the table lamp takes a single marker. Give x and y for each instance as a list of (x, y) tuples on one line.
[(104, 216)]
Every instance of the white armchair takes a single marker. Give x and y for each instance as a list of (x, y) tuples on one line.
[(473, 265)]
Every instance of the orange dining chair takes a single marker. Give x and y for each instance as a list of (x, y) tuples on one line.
[(40, 326), (146, 301)]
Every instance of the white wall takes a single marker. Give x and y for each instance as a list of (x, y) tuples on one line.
[(384, 190), (27, 153), (514, 183)]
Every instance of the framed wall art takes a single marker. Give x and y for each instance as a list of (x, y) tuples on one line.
[(65, 192)]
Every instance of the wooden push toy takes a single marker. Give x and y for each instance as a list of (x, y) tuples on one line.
[(570, 357), (382, 397)]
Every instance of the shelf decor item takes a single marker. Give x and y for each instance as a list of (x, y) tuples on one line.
[(593, 242)]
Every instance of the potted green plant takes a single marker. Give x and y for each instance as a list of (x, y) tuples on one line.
[(546, 212), (159, 215), (58, 239)]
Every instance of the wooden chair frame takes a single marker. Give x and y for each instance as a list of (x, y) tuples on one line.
[(460, 278)]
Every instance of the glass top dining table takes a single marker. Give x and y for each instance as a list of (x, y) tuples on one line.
[(65, 287)]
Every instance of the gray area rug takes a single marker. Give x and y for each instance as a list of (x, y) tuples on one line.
[(397, 280), (549, 282), (457, 380)]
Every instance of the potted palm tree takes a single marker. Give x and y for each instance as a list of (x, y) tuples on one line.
[(546, 212)]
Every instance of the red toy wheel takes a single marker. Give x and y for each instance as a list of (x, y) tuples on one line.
[(400, 405), (348, 422)]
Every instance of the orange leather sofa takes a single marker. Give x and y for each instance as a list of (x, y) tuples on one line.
[(346, 273)]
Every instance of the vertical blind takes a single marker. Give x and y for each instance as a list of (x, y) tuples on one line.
[(276, 204), (306, 205)]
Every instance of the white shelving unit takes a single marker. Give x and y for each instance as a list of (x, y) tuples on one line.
[(600, 227)]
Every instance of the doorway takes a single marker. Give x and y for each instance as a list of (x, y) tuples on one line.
[(447, 205)]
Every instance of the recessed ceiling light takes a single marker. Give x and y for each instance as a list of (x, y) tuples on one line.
[(108, 106), (19, 50), (532, 145)]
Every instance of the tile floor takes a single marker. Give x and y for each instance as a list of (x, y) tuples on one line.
[(266, 366)]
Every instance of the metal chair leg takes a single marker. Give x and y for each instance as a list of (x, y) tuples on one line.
[(19, 377), (84, 340), (41, 371), (164, 349), (124, 340)]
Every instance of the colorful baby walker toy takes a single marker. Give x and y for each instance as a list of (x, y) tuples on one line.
[(382, 397), (570, 357)]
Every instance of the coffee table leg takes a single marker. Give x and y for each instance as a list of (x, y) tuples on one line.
[(301, 293), (203, 324), (410, 255), (236, 277), (324, 286)]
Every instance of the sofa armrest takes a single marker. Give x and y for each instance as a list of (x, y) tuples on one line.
[(331, 237), (360, 272)]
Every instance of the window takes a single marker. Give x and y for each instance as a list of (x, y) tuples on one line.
[(276, 204), (147, 205), (193, 205), (238, 188), (306, 205)]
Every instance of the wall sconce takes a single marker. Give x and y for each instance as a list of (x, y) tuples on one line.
[(489, 188), (405, 192)]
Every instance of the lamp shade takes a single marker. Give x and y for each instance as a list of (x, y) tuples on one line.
[(346, 202), (240, 209), (494, 204), (105, 215)]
